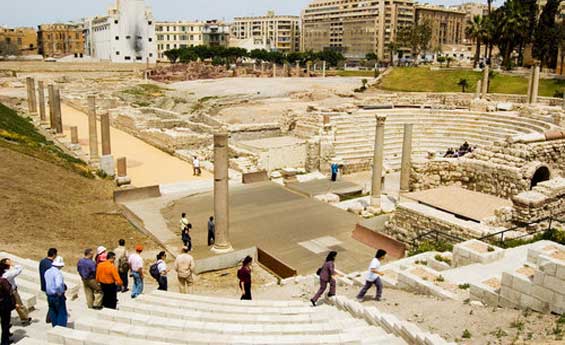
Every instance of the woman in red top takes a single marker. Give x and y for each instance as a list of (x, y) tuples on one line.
[(244, 276)]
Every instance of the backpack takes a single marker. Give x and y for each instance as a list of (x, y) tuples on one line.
[(154, 271), (123, 264)]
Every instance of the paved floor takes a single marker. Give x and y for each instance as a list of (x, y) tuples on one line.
[(459, 201), (298, 230), (324, 186)]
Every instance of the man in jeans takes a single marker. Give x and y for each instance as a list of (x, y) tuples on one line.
[(373, 276), (122, 263), (87, 270), (55, 290), (136, 266)]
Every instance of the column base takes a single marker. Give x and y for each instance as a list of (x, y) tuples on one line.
[(123, 181), (107, 165), (222, 250)]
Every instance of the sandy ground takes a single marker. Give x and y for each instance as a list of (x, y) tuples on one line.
[(264, 87), (147, 165)]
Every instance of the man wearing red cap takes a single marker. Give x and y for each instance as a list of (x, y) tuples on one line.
[(136, 265)]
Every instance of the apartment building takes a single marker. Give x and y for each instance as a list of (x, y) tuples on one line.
[(23, 39), (182, 34), (355, 27), (126, 34), (61, 39), (281, 33), (448, 24)]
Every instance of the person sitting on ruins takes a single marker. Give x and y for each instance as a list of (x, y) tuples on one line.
[(449, 154), (374, 276), (136, 267), (211, 231), (184, 265), (101, 255), (87, 270), (327, 275), (11, 271), (465, 147), (244, 276), (109, 279)]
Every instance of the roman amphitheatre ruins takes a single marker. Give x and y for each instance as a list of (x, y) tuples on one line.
[(469, 257)]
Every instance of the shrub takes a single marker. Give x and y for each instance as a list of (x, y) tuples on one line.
[(464, 286), (466, 334), (441, 258)]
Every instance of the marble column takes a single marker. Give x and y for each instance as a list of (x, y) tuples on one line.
[(274, 70), (297, 69), (530, 84), (221, 193), (323, 69), (122, 179), (29, 87), (33, 97), (92, 128), (107, 163), (52, 115), (535, 84), (74, 135), (378, 162), (478, 91), (58, 112), (406, 165), (41, 93), (485, 82)]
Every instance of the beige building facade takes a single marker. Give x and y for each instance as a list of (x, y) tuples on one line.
[(355, 27), (281, 33), (448, 24), (24, 39), (61, 39), (182, 34)]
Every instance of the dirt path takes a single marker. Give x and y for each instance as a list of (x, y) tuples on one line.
[(147, 165)]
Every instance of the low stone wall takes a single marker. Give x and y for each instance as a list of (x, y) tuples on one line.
[(475, 251), (545, 200)]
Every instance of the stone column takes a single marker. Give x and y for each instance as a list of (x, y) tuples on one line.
[(52, 115), (530, 84), (323, 69), (478, 91), (74, 135), (41, 91), (30, 91), (107, 163), (221, 193), (308, 67), (58, 112), (262, 67), (122, 178), (33, 96), (378, 163), (92, 130), (297, 69), (535, 84), (406, 165), (485, 82), (274, 70)]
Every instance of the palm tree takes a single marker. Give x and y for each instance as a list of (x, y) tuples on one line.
[(510, 29), (476, 30), (464, 84), (392, 48)]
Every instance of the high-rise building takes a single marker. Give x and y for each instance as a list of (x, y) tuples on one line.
[(448, 24), (23, 39), (125, 34), (182, 34), (355, 27), (61, 39), (281, 33)]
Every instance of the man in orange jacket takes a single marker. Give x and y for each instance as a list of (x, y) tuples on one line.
[(109, 278)]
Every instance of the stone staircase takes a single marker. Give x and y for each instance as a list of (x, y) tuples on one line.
[(434, 130)]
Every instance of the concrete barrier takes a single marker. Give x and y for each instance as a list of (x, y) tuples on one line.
[(255, 177), (121, 196), (220, 262)]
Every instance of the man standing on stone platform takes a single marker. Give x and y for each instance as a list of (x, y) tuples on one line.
[(184, 265), (44, 265), (122, 264), (196, 166), (55, 290), (335, 171), (87, 270), (211, 231), (109, 279), (136, 266)]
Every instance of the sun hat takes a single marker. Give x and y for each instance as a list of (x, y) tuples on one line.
[(100, 250), (59, 262)]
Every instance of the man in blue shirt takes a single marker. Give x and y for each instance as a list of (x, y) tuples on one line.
[(55, 290), (335, 170), (45, 264), (87, 270)]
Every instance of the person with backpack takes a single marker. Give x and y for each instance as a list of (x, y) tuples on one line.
[(374, 276), (159, 271), (7, 304), (109, 279), (122, 264), (185, 236), (327, 275), (136, 266)]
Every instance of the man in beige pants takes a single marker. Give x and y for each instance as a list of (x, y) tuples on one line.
[(87, 269), (11, 272), (184, 265)]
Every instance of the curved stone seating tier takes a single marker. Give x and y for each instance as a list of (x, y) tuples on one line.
[(225, 309), (189, 314), (226, 301)]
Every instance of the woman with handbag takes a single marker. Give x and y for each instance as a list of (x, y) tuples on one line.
[(327, 275)]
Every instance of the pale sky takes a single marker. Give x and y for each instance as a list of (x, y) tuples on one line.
[(35, 12)]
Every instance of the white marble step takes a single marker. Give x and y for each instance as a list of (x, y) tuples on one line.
[(227, 301)]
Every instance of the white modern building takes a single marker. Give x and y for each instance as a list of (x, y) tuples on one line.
[(125, 34)]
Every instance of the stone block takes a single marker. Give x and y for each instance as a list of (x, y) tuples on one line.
[(542, 293), (510, 294), (560, 273), (529, 302), (107, 165), (538, 278), (549, 268), (554, 284), (521, 284), (507, 303), (506, 279)]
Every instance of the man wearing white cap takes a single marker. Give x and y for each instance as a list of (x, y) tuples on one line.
[(55, 289)]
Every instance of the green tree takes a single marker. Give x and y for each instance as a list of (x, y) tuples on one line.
[(449, 61), (441, 60), (476, 30), (173, 55), (509, 23), (464, 84), (392, 48), (417, 37), (547, 35), (8, 48)]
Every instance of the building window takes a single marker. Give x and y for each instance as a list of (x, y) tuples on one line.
[(138, 58), (127, 58), (117, 53), (150, 54), (128, 37), (150, 39), (149, 23), (117, 38), (116, 21)]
